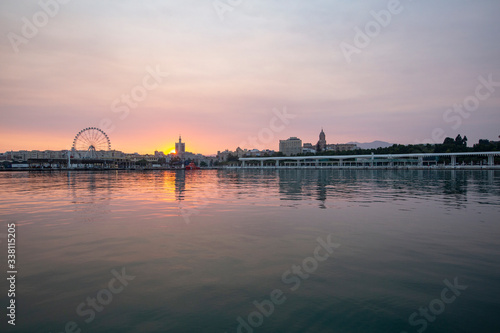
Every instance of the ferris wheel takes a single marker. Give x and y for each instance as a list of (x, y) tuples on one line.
[(91, 140)]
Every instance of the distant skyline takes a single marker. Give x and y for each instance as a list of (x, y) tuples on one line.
[(148, 71)]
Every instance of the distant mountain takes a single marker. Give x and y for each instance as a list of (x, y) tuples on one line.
[(373, 145)]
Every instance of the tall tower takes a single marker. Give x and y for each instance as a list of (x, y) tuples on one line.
[(321, 146), (180, 147)]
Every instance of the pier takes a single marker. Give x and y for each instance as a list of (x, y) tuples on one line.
[(416, 160)]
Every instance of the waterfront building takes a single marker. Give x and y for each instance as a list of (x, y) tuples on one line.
[(257, 152), (308, 150), (291, 146), (180, 147), (321, 145), (341, 147), (222, 156), (135, 157), (240, 152)]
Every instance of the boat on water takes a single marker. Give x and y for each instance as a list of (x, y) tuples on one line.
[(192, 166)]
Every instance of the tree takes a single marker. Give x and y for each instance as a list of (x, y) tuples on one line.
[(448, 141), (142, 162)]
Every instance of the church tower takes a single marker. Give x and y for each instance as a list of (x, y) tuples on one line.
[(321, 145)]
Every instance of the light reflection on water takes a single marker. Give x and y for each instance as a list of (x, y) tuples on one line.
[(204, 245)]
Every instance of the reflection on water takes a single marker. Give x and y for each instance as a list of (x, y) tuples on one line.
[(204, 245), (91, 192), (93, 202)]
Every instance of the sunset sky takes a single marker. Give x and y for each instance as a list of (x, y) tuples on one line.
[(230, 66)]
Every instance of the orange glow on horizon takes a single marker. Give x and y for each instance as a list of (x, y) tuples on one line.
[(146, 140)]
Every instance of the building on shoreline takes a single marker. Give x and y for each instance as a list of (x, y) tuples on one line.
[(291, 146), (341, 147), (115, 158), (180, 148), (24, 155), (321, 145), (226, 155)]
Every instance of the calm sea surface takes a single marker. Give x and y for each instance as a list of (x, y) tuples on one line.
[(253, 251)]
